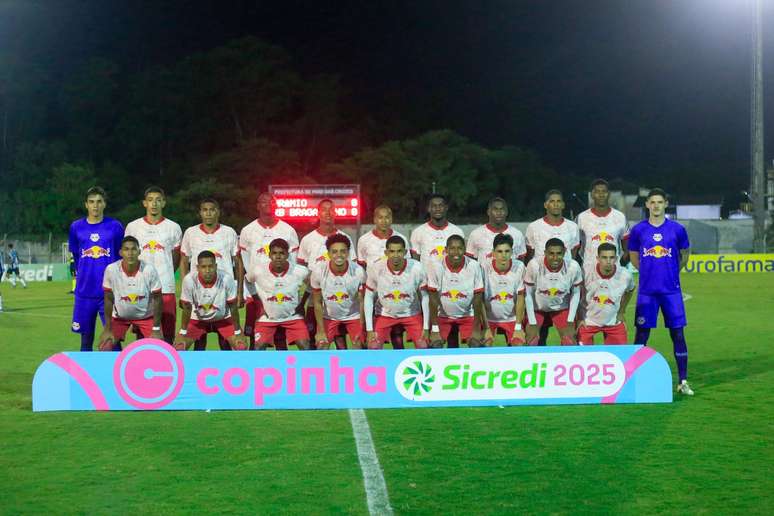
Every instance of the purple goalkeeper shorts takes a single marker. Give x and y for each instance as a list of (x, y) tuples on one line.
[(671, 305), (85, 312)]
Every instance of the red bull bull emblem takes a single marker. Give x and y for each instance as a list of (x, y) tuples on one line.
[(216, 253), (279, 298), (551, 292), (338, 297), (602, 237), (438, 250), (323, 257), (603, 300), (396, 296), (657, 251), (454, 295), (502, 297), (263, 250), (153, 246), (95, 252), (132, 299), (208, 307)]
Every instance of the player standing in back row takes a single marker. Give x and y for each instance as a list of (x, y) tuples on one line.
[(659, 249), (481, 239), (602, 224), (159, 240), (552, 225)]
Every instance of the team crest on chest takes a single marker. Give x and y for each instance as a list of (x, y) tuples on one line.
[(657, 237), (94, 237)]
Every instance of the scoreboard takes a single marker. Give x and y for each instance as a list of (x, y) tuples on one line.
[(299, 202)]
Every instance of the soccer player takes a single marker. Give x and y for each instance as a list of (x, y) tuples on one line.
[(132, 297), (254, 240), (13, 267), (160, 240), (456, 288), (480, 239), (608, 289), (504, 291), (95, 242), (659, 249), (209, 299), (400, 284), (553, 293), (552, 225), (278, 285), (601, 224), (370, 249), (337, 296), (73, 274)]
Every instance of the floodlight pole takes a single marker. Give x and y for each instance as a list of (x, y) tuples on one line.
[(757, 179)]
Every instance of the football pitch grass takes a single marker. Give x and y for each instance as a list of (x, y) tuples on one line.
[(711, 453)]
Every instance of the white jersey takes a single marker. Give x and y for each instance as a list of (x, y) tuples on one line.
[(312, 250), (397, 291), (597, 229), (209, 301), (429, 241), (553, 289), (279, 293), (339, 291), (501, 289), (222, 242), (541, 231), (254, 243), (131, 292), (157, 242), (371, 248), (456, 287), (479, 244), (604, 294)]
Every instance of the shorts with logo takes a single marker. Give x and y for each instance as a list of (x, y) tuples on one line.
[(671, 305), (223, 327), (120, 326), (85, 311), (353, 328), (464, 324), (295, 330), (615, 334), (413, 325), (556, 319)]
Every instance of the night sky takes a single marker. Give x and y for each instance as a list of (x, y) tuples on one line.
[(610, 88)]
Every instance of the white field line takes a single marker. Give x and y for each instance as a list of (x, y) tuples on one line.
[(686, 297), (375, 487)]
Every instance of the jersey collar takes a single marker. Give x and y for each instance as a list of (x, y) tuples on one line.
[(506, 271), (162, 219), (203, 228), (437, 228), (602, 213), (342, 273), (279, 274), (126, 272), (493, 230), (555, 224), (449, 265), (276, 221), (398, 273), (383, 238), (599, 271), (204, 283), (335, 230), (545, 262)]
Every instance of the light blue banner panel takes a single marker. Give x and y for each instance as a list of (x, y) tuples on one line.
[(150, 375)]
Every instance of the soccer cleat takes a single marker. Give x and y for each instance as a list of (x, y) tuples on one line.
[(684, 388)]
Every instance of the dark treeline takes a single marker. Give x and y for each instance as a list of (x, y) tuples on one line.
[(226, 123)]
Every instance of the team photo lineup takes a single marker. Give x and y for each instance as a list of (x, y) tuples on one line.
[(435, 288)]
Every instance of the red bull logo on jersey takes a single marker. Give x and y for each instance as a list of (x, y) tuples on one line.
[(551, 292), (279, 298), (95, 252), (216, 253), (153, 246), (657, 251), (132, 299), (438, 250), (454, 295), (602, 237), (263, 250), (502, 297), (323, 257), (396, 296), (603, 300), (208, 307), (338, 297)]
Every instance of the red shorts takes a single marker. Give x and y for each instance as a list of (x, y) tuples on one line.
[(168, 316), (615, 334), (223, 327), (352, 328), (556, 319), (120, 326), (413, 326), (506, 327), (465, 325), (295, 330)]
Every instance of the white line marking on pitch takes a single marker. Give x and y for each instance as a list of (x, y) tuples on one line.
[(375, 487), (686, 297)]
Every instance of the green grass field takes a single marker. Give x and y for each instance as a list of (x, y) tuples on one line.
[(712, 453)]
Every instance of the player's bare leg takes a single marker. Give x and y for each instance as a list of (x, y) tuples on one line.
[(303, 345), (340, 341), (532, 335), (201, 343), (396, 337), (567, 335)]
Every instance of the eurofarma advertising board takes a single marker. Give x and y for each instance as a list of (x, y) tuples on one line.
[(151, 375)]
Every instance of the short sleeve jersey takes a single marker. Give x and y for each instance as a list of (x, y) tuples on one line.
[(604, 294), (397, 290), (339, 290), (429, 241), (94, 247), (13, 256), (254, 243), (659, 249), (209, 301), (371, 247), (279, 292), (312, 250), (131, 292), (541, 231), (480, 242), (222, 241), (157, 242), (501, 289), (456, 287), (598, 228), (553, 289)]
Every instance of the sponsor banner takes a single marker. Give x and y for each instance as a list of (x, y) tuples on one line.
[(718, 263), (150, 375), (43, 271)]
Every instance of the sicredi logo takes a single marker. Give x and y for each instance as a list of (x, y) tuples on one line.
[(509, 376)]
